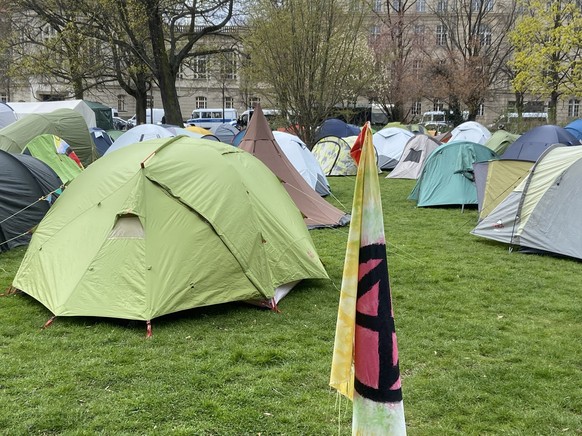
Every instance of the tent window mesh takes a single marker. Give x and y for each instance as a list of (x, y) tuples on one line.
[(127, 227), (413, 156)]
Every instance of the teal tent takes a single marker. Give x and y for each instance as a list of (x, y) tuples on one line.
[(447, 176)]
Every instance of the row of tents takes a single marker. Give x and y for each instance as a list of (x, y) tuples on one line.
[(176, 222), (164, 211), (525, 186)]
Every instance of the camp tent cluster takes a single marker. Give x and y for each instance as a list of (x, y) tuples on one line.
[(166, 203)]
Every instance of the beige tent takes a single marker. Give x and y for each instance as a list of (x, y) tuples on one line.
[(260, 142)]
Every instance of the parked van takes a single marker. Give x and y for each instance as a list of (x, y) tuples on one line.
[(244, 119), (207, 118), (156, 118)]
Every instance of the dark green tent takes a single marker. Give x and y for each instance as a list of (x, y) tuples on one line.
[(103, 115)]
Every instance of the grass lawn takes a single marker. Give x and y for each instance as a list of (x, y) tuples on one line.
[(490, 343)]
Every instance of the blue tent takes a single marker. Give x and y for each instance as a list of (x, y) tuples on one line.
[(238, 138), (534, 142), (575, 128), (101, 139), (335, 127)]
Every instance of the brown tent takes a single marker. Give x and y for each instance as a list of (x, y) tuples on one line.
[(259, 141)]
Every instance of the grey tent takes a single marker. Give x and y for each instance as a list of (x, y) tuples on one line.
[(415, 153), (542, 212), (225, 132), (25, 186)]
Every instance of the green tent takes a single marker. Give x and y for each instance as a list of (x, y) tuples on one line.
[(103, 115), (447, 175), (44, 147), (500, 140), (167, 225), (64, 123)]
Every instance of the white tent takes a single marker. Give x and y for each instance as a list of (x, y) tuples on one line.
[(303, 160), (389, 144), (140, 133), (22, 109), (470, 131), (7, 115)]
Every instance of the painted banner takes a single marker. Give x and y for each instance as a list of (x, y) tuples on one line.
[(365, 356)]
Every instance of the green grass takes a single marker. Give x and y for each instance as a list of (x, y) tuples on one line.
[(490, 343)]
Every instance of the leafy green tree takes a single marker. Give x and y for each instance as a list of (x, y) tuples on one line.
[(310, 56), (51, 49), (547, 42)]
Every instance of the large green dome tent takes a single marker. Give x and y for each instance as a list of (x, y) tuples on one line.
[(167, 225)]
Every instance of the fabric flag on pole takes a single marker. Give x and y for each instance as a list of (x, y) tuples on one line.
[(365, 356)]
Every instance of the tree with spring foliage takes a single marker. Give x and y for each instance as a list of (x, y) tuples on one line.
[(54, 51), (311, 56), (548, 43)]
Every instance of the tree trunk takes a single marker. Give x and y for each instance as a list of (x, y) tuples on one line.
[(165, 75), (553, 107)]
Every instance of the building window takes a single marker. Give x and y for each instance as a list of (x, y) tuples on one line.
[(201, 67), (416, 67), (201, 102), (120, 103), (374, 32), (486, 5), (228, 102), (416, 108), (573, 107), (420, 5), (481, 110), (441, 34), (438, 105), (419, 34), (377, 6), (441, 6), (396, 5), (253, 101), (485, 35), (228, 65)]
